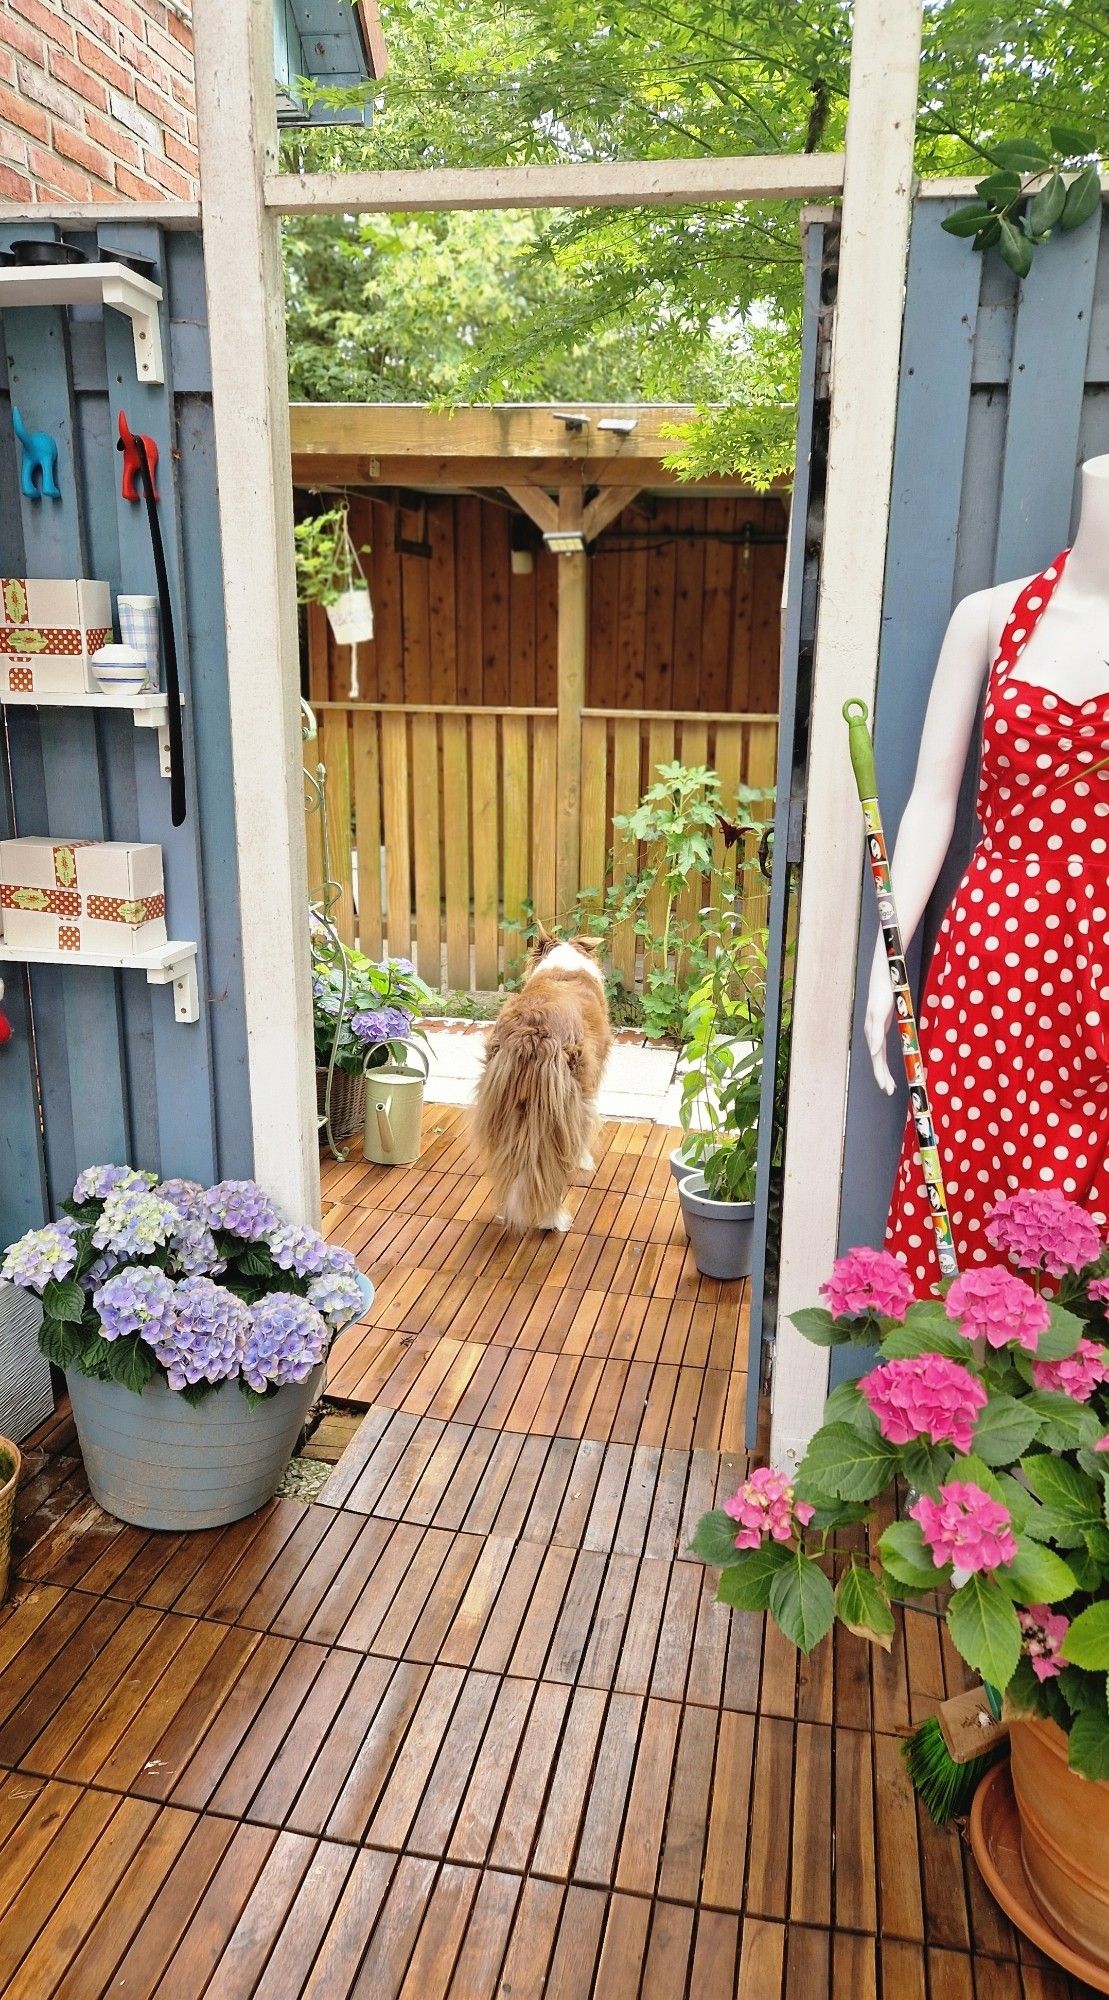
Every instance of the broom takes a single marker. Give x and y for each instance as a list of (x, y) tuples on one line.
[(950, 1751)]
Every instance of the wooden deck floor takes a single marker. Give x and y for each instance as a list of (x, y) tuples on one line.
[(471, 1725)]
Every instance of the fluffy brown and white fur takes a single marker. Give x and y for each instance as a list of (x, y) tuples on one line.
[(535, 1115)]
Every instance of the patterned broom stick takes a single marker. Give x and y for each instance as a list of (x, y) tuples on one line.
[(856, 716)]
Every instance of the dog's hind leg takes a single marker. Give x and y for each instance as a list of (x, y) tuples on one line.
[(560, 1220)]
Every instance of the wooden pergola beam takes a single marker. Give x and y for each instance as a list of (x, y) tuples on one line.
[(319, 469), (497, 430), (596, 184), (537, 505), (604, 508)]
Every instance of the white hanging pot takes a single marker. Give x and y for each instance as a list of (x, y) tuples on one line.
[(351, 616)]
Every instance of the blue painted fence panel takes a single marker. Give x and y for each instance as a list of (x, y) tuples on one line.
[(107, 1072)]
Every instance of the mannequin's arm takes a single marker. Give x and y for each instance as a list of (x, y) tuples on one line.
[(929, 818)]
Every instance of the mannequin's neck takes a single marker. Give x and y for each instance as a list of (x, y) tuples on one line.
[(1088, 563)]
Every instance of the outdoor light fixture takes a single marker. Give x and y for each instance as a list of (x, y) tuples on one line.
[(623, 426), (572, 422), (565, 542)]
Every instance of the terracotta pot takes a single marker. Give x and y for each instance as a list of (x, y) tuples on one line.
[(1064, 1836)]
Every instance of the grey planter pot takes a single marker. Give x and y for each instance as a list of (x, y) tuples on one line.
[(679, 1165), (159, 1462), (721, 1233)]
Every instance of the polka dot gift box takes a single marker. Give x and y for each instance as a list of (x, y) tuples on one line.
[(49, 631), (105, 896)]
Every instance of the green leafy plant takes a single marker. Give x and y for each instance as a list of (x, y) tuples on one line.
[(1026, 196), (986, 1416), (326, 559), (724, 1058)]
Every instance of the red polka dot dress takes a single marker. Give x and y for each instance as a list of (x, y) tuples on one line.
[(1014, 1021)]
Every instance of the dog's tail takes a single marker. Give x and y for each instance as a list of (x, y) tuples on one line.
[(533, 1124), (20, 428)]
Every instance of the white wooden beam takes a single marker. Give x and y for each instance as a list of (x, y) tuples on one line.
[(881, 117), (246, 306), (598, 184)]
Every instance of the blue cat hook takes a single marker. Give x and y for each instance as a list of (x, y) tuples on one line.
[(39, 454)]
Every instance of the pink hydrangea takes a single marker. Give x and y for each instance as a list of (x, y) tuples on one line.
[(1077, 1375), (926, 1396), (1044, 1631), (996, 1306), (1098, 1288), (764, 1505), (1102, 1443), (1039, 1229), (868, 1281), (965, 1527)]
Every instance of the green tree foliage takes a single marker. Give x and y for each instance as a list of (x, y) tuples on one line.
[(667, 305)]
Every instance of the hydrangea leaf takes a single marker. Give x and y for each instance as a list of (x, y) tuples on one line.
[(862, 1605), (62, 1299), (745, 1585), (1086, 1643), (1063, 1424), (847, 1461), (926, 1465), (1088, 1744), (906, 1342), (1037, 1575), (985, 1629), (904, 1555), (1061, 1338), (802, 1602), (714, 1538), (1005, 1429), (845, 1405), (817, 1325), (1067, 1492)]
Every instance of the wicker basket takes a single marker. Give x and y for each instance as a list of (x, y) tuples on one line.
[(9, 1456), (348, 1101)]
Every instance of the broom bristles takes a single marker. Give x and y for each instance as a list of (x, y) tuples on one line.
[(946, 1787)]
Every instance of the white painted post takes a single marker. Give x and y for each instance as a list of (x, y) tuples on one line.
[(881, 123), (236, 110)]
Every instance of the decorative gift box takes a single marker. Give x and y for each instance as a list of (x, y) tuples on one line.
[(83, 895), (50, 631)]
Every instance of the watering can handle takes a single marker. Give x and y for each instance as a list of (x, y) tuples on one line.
[(413, 1049)]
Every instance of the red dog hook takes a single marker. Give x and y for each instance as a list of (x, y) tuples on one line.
[(129, 447), (5, 1024)]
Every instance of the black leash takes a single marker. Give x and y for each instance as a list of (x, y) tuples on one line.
[(169, 644)]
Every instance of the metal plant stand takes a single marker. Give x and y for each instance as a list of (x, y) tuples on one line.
[(320, 908)]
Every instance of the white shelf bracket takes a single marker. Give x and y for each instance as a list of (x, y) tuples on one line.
[(180, 973), (142, 311)]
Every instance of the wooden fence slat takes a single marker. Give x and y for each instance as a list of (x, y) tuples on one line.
[(425, 826), (514, 834), (544, 818), (660, 750), (595, 829), (335, 758), (366, 786), (398, 871), (456, 849), (388, 625), (625, 798), (483, 797)]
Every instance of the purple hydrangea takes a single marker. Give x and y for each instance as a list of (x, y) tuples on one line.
[(138, 1299), (42, 1254), (134, 1222), (301, 1250), (96, 1182), (382, 1024), (400, 965), (242, 1208), (338, 1296), (206, 1335), (339, 1259), (187, 1197), (194, 1250), (286, 1340)]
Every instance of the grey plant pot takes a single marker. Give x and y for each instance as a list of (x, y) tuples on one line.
[(679, 1165), (159, 1462), (721, 1233)]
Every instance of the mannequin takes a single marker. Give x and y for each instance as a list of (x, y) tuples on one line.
[(1041, 811)]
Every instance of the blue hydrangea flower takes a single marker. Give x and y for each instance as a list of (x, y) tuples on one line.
[(96, 1182), (295, 1249), (138, 1299), (134, 1223), (206, 1335), (287, 1339), (339, 1259), (193, 1248), (399, 965), (187, 1197), (41, 1255), (382, 1024), (242, 1208), (338, 1296)]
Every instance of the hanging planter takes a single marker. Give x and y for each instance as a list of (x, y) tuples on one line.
[(330, 572)]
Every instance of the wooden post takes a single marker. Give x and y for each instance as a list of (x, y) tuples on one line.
[(246, 305), (573, 648), (878, 175)]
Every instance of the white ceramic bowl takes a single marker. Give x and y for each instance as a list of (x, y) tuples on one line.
[(119, 670)]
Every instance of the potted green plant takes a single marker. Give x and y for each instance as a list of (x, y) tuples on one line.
[(365, 1014), (192, 1325), (721, 1096), (986, 1417)]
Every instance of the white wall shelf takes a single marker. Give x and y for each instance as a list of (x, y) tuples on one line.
[(172, 964), (116, 285), (150, 711)]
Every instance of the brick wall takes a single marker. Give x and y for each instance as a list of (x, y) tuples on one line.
[(97, 101)]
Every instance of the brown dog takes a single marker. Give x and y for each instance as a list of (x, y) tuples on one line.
[(536, 1115)]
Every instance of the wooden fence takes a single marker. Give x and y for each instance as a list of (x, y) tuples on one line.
[(441, 821)]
